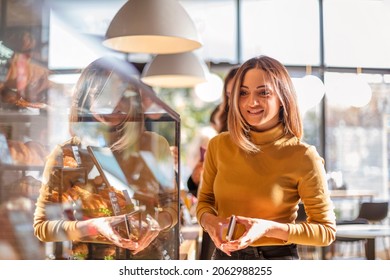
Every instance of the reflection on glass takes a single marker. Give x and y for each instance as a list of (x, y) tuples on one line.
[(128, 170)]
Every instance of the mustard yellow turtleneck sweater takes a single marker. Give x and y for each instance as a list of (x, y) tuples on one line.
[(269, 185)]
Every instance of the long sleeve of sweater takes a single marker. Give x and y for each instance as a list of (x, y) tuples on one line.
[(269, 185), (48, 223)]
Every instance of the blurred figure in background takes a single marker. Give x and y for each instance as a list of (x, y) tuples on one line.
[(223, 108), (218, 124)]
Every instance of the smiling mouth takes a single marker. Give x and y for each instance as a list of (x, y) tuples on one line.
[(255, 112)]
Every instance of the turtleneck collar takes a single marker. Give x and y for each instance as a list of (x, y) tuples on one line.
[(268, 136)]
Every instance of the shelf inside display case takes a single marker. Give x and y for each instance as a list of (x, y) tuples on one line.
[(23, 117)]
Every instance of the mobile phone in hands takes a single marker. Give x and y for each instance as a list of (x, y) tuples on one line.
[(231, 227)]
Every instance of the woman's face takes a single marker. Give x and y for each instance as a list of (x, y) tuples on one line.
[(258, 102), (115, 101)]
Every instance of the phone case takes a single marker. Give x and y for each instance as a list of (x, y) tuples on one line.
[(231, 227)]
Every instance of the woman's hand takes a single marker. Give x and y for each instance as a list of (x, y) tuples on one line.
[(255, 229), (149, 231), (215, 227), (106, 226)]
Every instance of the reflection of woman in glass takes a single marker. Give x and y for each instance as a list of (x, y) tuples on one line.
[(107, 111)]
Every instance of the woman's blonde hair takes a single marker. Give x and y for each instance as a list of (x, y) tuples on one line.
[(279, 79)]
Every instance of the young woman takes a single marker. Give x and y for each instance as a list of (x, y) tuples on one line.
[(260, 170)]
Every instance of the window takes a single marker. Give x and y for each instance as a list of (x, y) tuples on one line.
[(356, 33), (285, 30), (216, 22)]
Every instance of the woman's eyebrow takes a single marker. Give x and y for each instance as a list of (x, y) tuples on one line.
[(258, 87)]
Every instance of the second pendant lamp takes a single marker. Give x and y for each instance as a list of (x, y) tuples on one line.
[(181, 70)]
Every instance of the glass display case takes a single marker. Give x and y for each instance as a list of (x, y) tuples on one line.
[(35, 163)]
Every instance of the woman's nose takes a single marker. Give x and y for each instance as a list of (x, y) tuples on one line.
[(253, 100)]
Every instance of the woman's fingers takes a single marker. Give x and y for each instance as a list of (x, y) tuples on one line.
[(145, 242), (149, 233)]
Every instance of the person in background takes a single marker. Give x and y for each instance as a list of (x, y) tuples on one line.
[(260, 170), (107, 111), (206, 133), (218, 121), (223, 108)]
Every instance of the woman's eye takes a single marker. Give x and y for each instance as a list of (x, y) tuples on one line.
[(242, 93), (264, 93)]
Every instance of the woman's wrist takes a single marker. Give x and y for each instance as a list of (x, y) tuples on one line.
[(204, 220), (278, 230), (86, 228)]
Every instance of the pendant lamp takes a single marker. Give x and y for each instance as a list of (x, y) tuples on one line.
[(310, 90), (152, 26), (211, 90), (180, 70)]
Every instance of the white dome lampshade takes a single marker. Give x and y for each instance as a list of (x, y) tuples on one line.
[(346, 90), (181, 70), (211, 90), (361, 92), (310, 91), (152, 26)]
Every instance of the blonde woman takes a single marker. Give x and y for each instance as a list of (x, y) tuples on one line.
[(259, 171)]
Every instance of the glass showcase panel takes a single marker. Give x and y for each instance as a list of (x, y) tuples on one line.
[(77, 154)]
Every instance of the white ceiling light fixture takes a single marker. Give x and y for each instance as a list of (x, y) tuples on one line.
[(152, 26), (180, 70), (360, 92), (348, 90), (211, 90), (310, 90), (362, 89)]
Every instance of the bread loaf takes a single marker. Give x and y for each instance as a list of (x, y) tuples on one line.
[(29, 153)]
